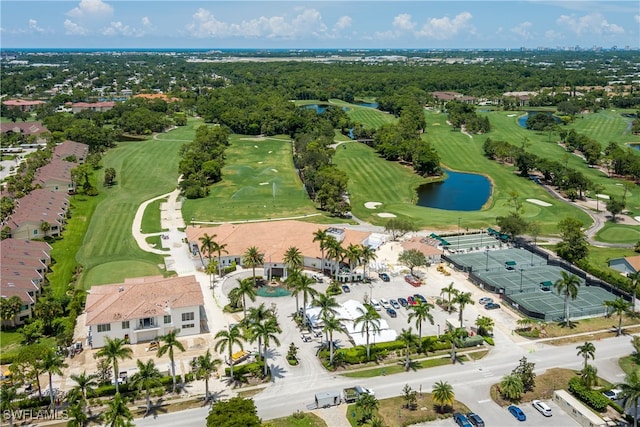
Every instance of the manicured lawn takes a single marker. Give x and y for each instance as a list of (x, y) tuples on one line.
[(259, 182), (300, 419), (618, 233), (151, 219), (371, 117), (628, 363), (546, 384), (397, 368), (10, 344)]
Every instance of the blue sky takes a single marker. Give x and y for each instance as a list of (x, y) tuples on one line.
[(318, 24)]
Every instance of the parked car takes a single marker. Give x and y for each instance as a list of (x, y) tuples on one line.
[(612, 394), (461, 420), (412, 280), (385, 277), (517, 412), (485, 300), (391, 312), (542, 407), (403, 302), (492, 306), (317, 278), (375, 304), (346, 289), (306, 338), (384, 303), (412, 301), (394, 303), (420, 298), (475, 419)]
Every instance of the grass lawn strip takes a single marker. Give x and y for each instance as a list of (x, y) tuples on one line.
[(546, 383), (300, 419)]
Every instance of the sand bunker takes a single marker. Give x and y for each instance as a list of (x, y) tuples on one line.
[(511, 115), (270, 152), (264, 183), (539, 202), (255, 146), (274, 170), (603, 196), (372, 205), (637, 218), (386, 215)]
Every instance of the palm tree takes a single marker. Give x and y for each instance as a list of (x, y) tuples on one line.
[(331, 325), (327, 304), (211, 269), (631, 392), (147, 377), (77, 415), (85, 385), (589, 376), (335, 252), (265, 332), (353, 255), (168, 343), (206, 245), (635, 342), (258, 315), (620, 307), (462, 299), (117, 414), (370, 320), (113, 351), (367, 403), (587, 350), (635, 281), (367, 254), (511, 387), (293, 259), (407, 336), (219, 248), (485, 325), (52, 363), (454, 336), (568, 286), (204, 366), (443, 395), (227, 339), (246, 289), (252, 258), (10, 308), (320, 236), (303, 285), (421, 312), (8, 401), (451, 292)]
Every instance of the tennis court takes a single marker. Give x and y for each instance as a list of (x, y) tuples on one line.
[(462, 243), (526, 281)]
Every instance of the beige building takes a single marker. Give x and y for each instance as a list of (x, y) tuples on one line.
[(143, 309)]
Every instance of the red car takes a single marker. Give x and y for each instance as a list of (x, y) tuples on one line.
[(412, 301)]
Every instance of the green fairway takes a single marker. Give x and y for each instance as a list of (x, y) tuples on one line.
[(259, 181), (368, 116), (144, 169), (618, 233)]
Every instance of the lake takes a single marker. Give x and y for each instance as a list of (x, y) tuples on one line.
[(458, 192), (368, 104), (522, 121)]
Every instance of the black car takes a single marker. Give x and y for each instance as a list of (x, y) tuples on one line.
[(475, 419), (391, 312), (492, 306), (403, 302), (420, 298), (385, 277), (346, 289)]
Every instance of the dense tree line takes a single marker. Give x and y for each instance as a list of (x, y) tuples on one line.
[(462, 114)]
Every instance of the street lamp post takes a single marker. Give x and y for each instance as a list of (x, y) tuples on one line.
[(521, 271), (192, 219), (486, 267), (370, 292), (458, 248), (438, 330), (481, 230)]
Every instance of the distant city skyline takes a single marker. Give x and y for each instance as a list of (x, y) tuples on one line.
[(328, 24)]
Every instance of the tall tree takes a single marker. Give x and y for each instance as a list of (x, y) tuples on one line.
[(631, 392), (574, 245), (252, 258), (168, 344), (412, 258), (293, 259), (334, 252), (331, 325), (454, 336), (327, 304), (485, 325), (219, 248), (204, 366), (227, 339), (10, 308), (236, 411), (303, 284), (267, 331), (587, 350), (443, 395), (353, 255), (52, 363), (451, 292), (117, 413), (8, 401), (421, 312), (86, 384), (369, 318), (635, 281), (409, 339), (619, 307), (367, 254), (114, 350), (207, 244), (589, 376), (567, 286), (320, 236), (511, 387), (246, 288), (147, 377), (462, 299)]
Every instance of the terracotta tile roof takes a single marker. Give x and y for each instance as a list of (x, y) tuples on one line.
[(40, 205), (420, 244), (273, 238), (141, 297), (25, 247), (104, 104), (19, 286), (71, 148), (56, 169), (156, 96), (634, 262), (21, 103), (26, 128)]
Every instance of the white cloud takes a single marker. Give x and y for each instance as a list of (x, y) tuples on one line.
[(96, 8), (306, 23), (146, 22), (404, 22), (343, 22), (523, 30), (119, 29), (637, 18), (593, 23), (445, 28), (74, 29), (33, 26)]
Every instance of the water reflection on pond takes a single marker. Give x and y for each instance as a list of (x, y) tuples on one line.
[(458, 192)]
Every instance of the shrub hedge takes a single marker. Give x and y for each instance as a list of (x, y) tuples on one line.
[(592, 398)]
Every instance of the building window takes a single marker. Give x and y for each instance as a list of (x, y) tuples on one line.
[(167, 318), (188, 326), (188, 316), (35, 232), (104, 328), (125, 324)]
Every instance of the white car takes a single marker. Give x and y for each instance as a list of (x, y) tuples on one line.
[(375, 304), (384, 303), (542, 407)]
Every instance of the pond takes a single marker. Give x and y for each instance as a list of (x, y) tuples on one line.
[(522, 121), (458, 192), (319, 108), (272, 291), (634, 146), (368, 104)]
